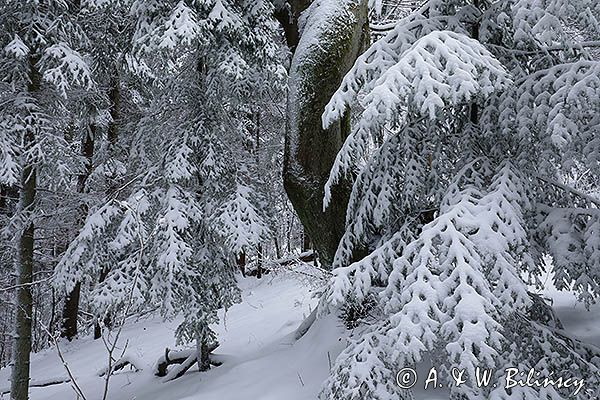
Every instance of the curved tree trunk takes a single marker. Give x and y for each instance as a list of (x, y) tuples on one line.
[(334, 35)]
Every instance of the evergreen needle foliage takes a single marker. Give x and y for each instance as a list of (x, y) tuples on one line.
[(476, 126)]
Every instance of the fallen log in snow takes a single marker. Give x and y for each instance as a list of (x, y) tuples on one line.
[(121, 363), (41, 383), (267, 266), (306, 324), (307, 256), (183, 361)]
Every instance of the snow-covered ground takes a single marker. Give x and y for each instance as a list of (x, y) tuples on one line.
[(261, 359), (578, 322)]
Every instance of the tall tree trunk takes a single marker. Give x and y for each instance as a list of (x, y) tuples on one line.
[(259, 249), (277, 248), (115, 109), (22, 347), (305, 241), (19, 388), (70, 313), (203, 356), (114, 96), (241, 262), (3, 198), (259, 261), (107, 318), (71, 307), (336, 37)]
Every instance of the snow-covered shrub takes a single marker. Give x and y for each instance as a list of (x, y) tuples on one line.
[(353, 311)]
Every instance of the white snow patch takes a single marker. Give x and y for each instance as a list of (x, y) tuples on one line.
[(261, 361)]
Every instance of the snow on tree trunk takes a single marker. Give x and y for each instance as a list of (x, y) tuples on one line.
[(19, 389), (331, 38)]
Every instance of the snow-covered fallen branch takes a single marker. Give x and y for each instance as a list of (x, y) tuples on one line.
[(306, 256), (272, 265), (292, 263), (121, 363), (183, 360), (41, 383), (306, 324)]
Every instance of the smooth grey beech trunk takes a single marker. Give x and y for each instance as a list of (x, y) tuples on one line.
[(318, 66)]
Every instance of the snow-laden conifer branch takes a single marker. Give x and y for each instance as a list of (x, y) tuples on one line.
[(451, 282), (439, 70), (65, 67)]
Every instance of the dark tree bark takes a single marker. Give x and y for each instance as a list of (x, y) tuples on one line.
[(107, 319), (22, 348), (114, 95), (115, 109), (3, 198), (71, 306), (19, 387), (287, 14), (259, 249), (8, 199), (70, 313), (204, 357), (315, 74), (97, 330), (241, 262), (305, 241), (277, 248), (259, 261)]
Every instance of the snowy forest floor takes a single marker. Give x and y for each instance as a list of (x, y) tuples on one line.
[(261, 360)]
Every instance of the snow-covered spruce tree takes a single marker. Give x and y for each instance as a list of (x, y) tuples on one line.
[(477, 123), (39, 68), (95, 120), (158, 235), (243, 227), (246, 216), (265, 165)]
